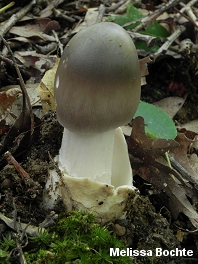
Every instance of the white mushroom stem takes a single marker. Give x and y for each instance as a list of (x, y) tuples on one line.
[(87, 156), (121, 167), (100, 157), (97, 159)]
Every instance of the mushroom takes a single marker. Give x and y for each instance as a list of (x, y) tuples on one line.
[(97, 90)]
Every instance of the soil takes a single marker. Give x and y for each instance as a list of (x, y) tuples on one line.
[(148, 223)]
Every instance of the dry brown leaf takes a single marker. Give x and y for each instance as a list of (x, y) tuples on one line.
[(7, 98), (179, 202), (143, 65), (145, 156), (90, 18), (144, 69), (171, 105), (180, 154), (46, 89), (191, 126), (39, 29), (36, 64), (193, 159)]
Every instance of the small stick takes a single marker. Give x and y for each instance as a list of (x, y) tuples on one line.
[(29, 182), (186, 6), (185, 174), (3, 9), (11, 160), (114, 7), (8, 61), (15, 18), (169, 41), (58, 14), (101, 12)]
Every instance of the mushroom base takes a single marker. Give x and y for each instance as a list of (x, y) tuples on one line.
[(105, 201)]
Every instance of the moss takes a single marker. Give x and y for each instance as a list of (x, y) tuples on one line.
[(76, 238)]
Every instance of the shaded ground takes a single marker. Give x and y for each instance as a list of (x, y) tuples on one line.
[(174, 77), (146, 228)]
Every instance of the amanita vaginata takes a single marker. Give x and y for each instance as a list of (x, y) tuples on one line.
[(97, 90)]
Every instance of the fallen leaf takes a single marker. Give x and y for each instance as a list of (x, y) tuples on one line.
[(11, 107), (27, 228), (35, 61), (191, 126), (46, 89), (193, 160), (171, 105), (146, 156), (143, 65), (180, 154), (90, 18), (39, 29), (7, 98), (144, 69)]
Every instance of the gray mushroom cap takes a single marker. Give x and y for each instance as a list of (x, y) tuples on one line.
[(97, 84)]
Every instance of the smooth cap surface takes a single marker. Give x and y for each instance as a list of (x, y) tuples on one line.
[(97, 84)]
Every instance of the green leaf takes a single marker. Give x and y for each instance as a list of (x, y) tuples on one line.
[(156, 30), (132, 14), (143, 46), (158, 124), (153, 29)]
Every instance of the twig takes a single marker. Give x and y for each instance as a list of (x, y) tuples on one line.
[(59, 14), (114, 7), (123, 7), (185, 229), (60, 45), (190, 16), (185, 174), (101, 12), (186, 7), (3, 9), (11, 160), (50, 220), (169, 41), (33, 187), (8, 61), (11, 63), (16, 17), (149, 40)]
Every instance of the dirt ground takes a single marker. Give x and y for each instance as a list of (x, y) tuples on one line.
[(148, 223)]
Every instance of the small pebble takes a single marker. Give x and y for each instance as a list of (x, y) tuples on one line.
[(6, 183), (119, 230)]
